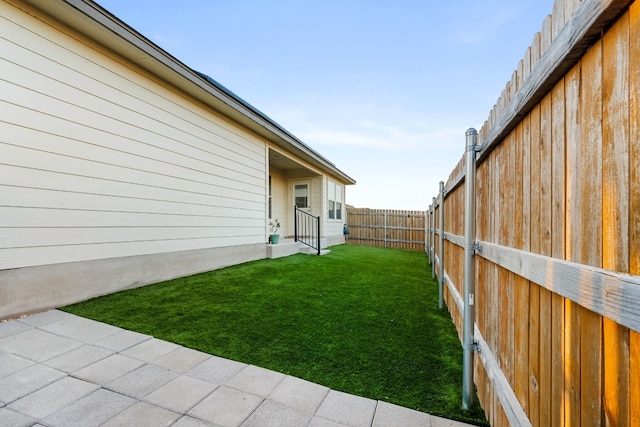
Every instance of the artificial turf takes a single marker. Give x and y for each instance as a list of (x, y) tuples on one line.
[(360, 320)]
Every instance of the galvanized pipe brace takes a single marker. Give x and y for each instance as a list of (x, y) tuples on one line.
[(469, 268), (441, 249)]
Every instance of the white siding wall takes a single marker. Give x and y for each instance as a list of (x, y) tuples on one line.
[(279, 199), (316, 196), (98, 160)]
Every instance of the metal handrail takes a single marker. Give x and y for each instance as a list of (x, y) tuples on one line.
[(306, 228)]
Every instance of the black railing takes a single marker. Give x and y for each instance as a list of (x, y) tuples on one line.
[(307, 228)]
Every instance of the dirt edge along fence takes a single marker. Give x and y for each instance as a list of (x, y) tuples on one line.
[(555, 240), (386, 228)]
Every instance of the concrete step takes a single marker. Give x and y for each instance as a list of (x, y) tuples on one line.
[(283, 249), (287, 247), (311, 251)]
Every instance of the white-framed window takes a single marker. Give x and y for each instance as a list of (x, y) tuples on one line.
[(335, 200)]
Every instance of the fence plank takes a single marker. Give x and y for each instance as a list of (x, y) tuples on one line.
[(634, 198), (558, 362), (517, 183), (558, 204), (505, 315), (634, 375), (572, 363), (506, 278), (491, 293), (558, 18), (573, 147), (587, 187), (557, 248), (544, 230), (544, 367), (589, 206), (533, 172), (615, 88), (534, 353), (572, 311), (483, 228), (521, 341), (526, 184), (544, 224), (590, 365), (634, 135), (510, 326)]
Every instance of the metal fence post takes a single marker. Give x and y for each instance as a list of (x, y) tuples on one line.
[(432, 249), (469, 268), (441, 249), (385, 230), (427, 219)]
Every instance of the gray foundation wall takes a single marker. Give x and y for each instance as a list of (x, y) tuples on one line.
[(337, 239), (33, 289)]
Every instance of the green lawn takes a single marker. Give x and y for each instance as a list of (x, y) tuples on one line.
[(360, 320)]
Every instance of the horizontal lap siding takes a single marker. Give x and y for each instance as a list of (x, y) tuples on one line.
[(99, 160), (279, 201)]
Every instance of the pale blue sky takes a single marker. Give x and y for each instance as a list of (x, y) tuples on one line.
[(384, 89)]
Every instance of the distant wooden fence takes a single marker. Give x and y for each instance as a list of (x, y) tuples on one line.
[(557, 241), (386, 228)]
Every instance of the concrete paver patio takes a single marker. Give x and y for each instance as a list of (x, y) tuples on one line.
[(58, 369)]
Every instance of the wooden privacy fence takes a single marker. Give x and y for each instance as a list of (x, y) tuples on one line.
[(386, 228), (556, 250)]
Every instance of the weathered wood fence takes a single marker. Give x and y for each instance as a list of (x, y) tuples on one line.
[(386, 228), (557, 243)]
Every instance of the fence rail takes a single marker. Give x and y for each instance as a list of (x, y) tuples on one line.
[(386, 228), (556, 247)]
